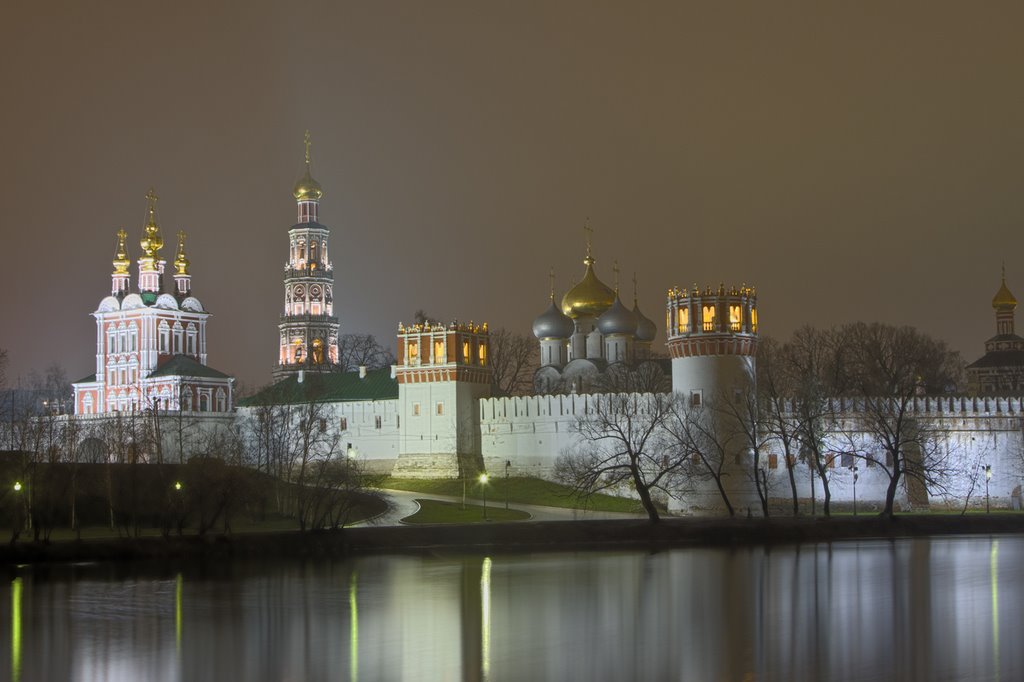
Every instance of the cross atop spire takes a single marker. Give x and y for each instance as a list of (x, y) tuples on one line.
[(615, 269), (308, 144), (589, 232), (634, 289), (551, 279), (151, 199)]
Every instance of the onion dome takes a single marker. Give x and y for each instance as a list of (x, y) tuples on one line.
[(1004, 300), (553, 324), (151, 241), (590, 297), (121, 260), (307, 189), (646, 330), (181, 261), (617, 320)]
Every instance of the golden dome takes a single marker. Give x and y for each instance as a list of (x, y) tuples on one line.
[(121, 260), (590, 297), (1003, 298), (307, 189), (181, 261), (151, 241)]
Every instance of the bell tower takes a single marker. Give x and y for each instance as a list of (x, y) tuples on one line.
[(308, 329)]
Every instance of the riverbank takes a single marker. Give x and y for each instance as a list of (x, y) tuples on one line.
[(628, 534)]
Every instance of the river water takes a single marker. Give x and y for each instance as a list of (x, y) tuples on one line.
[(926, 609)]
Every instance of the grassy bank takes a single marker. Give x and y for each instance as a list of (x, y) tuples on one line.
[(521, 490), (435, 511)]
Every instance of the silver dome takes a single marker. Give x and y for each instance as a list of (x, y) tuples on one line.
[(646, 330), (553, 324), (617, 320)]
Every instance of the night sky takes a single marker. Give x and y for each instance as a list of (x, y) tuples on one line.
[(857, 162)]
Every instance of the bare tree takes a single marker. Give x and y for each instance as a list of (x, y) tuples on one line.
[(890, 367), (362, 350), (622, 443), (778, 420), (513, 359), (706, 443)]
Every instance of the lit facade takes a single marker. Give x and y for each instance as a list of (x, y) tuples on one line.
[(151, 342)]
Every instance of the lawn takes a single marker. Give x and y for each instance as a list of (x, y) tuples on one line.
[(436, 511), (521, 490)]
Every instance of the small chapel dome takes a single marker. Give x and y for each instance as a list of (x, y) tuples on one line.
[(646, 330), (617, 320), (590, 297), (307, 189), (553, 324), (1003, 298)]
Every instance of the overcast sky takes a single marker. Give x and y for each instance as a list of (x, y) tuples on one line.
[(860, 161)]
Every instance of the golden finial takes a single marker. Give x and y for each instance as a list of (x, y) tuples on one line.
[(589, 231), (306, 138), (551, 280), (121, 260), (615, 269), (181, 261), (634, 289)]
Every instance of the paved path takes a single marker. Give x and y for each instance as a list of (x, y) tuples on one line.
[(402, 503)]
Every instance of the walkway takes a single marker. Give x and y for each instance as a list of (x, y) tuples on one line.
[(402, 503)]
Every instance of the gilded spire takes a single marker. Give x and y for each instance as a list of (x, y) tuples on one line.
[(615, 269), (589, 232), (151, 240), (306, 137), (181, 261), (551, 281), (121, 260)]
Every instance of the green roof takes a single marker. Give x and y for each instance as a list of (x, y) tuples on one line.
[(327, 387), (86, 380), (184, 366)]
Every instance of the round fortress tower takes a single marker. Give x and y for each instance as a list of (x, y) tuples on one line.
[(712, 340)]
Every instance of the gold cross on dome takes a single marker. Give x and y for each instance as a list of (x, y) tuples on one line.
[(615, 269), (590, 234), (551, 279), (307, 143)]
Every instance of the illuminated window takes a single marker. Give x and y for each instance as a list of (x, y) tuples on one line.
[(415, 409), (683, 315), (668, 320), (414, 352), (440, 409), (753, 319), (735, 318), (773, 461), (438, 352), (709, 318), (466, 356), (483, 353)]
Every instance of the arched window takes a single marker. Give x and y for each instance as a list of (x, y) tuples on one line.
[(439, 352), (467, 356), (165, 337), (735, 318), (414, 353), (221, 400), (709, 318), (483, 353), (753, 319), (683, 317)]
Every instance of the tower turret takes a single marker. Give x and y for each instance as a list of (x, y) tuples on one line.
[(120, 276), (151, 267)]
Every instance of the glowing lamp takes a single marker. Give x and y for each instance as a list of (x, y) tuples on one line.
[(483, 478), (17, 486)]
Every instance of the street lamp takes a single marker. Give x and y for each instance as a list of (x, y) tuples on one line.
[(988, 477), (508, 465), (856, 475), (483, 487), (177, 486)]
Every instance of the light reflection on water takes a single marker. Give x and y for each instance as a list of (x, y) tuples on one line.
[(905, 610)]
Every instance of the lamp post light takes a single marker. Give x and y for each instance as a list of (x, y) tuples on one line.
[(856, 475), (988, 477), (508, 465), (19, 522), (483, 486)]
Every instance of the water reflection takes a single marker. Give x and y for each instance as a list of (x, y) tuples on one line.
[(905, 610)]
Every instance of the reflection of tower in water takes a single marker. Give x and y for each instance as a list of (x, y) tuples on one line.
[(476, 618)]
